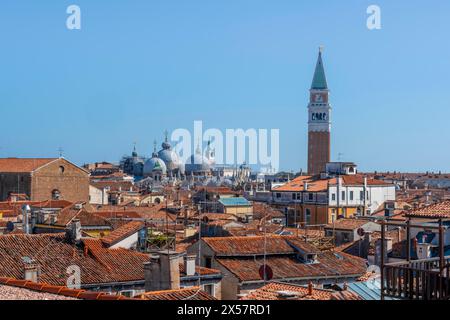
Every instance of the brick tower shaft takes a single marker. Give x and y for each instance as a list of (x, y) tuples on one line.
[(319, 122)]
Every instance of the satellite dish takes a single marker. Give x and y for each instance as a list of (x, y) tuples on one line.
[(265, 272), (9, 226), (361, 232)]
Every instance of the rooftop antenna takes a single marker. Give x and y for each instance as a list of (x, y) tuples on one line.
[(60, 151), (166, 134), (340, 156)]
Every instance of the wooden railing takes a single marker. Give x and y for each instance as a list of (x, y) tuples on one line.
[(417, 280)]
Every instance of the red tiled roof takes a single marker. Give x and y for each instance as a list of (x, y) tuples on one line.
[(439, 210), (122, 232), (218, 190), (118, 214), (358, 179), (192, 293), (347, 224), (298, 184), (54, 254), (251, 245), (46, 291), (317, 185), (261, 210), (216, 216), (22, 165), (288, 267), (275, 291)]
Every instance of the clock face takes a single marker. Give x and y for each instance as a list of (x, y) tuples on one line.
[(318, 98)]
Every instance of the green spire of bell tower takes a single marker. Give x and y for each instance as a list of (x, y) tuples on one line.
[(320, 80)]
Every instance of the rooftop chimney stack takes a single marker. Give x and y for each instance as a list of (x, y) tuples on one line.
[(162, 272), (310, 288), (189, 265), (26, 224), (73, 231), (31, 270)]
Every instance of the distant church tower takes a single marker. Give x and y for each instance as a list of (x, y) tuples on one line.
[(319, 125)]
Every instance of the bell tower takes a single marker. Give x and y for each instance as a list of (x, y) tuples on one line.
[(319, 124)]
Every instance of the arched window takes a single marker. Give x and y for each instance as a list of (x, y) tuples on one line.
[(56, 195), (61, 169)]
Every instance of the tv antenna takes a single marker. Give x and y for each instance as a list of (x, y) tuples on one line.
[(60, 151)]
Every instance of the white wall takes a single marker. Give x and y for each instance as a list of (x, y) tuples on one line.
[(127, 243), (376, 196), (97, 196)]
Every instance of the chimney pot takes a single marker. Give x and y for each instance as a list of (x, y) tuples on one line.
[(310, 288), (31, 271)]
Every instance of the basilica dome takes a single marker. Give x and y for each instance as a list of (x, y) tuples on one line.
[(154, 165), (197, 163), (170, 157)]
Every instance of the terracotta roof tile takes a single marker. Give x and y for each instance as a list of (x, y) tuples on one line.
[(347, 224), (251, 245), (191, 293), (288, 267), (317, 185), (276, 290), (54, 254), (123, 232), (22, 165), (435, 211)]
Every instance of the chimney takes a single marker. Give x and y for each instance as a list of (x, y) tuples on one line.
[(73, 231), (26, 224), (310, 288), (31, 270), (189, 265), (162, 272), (305, 186)]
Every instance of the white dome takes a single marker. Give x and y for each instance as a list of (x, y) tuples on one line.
[(169, 157), (197, 163), (154, 165)]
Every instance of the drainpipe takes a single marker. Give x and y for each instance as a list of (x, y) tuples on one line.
[(365, 196)]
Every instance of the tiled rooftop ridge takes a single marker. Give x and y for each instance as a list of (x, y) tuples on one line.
[(61, 290)]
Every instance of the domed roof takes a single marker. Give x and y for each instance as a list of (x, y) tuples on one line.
[(154, 164), (169, 156)]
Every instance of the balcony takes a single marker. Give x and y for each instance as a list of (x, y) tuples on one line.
[(421, 279), (417, 280)]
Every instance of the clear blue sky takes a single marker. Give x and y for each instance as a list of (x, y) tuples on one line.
[(139, 67)]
